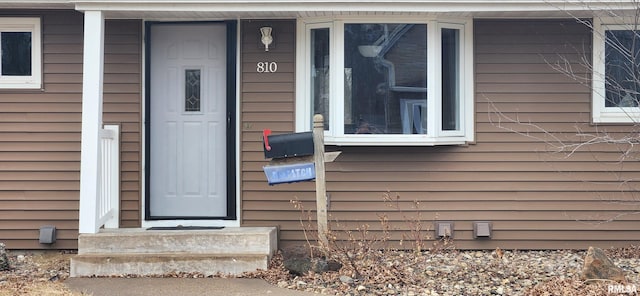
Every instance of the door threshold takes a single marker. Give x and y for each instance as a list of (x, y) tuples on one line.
[(180, 227), (187, 223)]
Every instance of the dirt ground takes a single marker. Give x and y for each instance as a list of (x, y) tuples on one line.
[(36, 273), (44, 273)]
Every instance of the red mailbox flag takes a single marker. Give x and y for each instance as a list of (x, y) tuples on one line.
[(265, 136)]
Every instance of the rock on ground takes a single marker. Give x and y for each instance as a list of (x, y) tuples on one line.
[(298, 261), (4, 260), (598, 266)]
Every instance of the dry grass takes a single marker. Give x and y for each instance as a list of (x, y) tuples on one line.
[(569, 287), (38, 288), (40, 273)]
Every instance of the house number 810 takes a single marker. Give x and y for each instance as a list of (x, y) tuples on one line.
[(266, 67)]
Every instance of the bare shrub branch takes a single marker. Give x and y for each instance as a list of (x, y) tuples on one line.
[(621, 79)]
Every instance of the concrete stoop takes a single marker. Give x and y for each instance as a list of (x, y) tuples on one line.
[(146, 252)]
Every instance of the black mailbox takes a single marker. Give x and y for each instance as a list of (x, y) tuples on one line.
[(287, 145)]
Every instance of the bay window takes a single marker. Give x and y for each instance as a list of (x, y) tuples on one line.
[(386, 83)]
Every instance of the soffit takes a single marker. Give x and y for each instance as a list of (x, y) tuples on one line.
[(31, 4), (231, 9)]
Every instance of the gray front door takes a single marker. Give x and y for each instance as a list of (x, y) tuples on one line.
[(188, 143)]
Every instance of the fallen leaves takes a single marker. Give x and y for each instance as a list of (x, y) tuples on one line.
[(39, 273), (500, 272), (391, 272)]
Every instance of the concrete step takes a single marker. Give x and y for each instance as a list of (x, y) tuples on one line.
[(162, 263), (229, 240), (231, 250)]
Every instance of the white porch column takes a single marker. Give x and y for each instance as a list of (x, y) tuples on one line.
[(93, 63)]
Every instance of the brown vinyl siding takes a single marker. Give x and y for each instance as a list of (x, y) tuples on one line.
[(536, 199), (123, 106), (40, 132), (267, 102)]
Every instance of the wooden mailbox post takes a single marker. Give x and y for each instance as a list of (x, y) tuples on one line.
[(321, 185), (292, 163)]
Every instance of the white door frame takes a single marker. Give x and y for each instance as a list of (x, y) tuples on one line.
[(233, 186)]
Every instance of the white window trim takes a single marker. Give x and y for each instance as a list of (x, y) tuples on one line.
[(465, 68), (600, 113), (303, 75), (25, 24), (435, 135)]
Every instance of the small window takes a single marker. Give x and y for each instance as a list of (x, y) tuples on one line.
[(192, 91), (450, 81), (616, 74), (320, 72), (622, 68), (20, 53)]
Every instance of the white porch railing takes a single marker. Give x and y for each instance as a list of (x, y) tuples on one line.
[(107, 205)]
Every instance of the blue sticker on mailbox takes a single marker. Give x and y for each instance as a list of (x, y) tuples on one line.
[(290, 173)]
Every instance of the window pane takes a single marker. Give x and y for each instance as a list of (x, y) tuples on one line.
[(450, 81), (622, 68), (385, 78), (16, 53), (320, 73), (192, 90)]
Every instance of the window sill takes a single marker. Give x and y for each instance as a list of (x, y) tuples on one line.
[(618, 116), (18, 85), (393, 140)]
